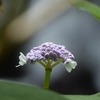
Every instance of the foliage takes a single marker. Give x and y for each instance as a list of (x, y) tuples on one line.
[(16, 91), (83, 97), (89, 7)]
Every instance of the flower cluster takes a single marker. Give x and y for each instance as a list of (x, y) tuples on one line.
[(49, 52)]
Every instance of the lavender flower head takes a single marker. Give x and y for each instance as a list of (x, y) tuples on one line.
[(49, 55)]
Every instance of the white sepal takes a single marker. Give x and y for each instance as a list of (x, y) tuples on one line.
[(70, 64), (22, 60)]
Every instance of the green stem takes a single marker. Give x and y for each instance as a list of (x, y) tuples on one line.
[(42, 63), (53, 65), (47, 78)]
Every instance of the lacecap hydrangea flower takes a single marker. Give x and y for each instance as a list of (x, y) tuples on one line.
[(49, 55)]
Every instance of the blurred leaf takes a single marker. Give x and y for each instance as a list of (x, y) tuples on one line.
[(15, 91), (89, 7), (83, 97)]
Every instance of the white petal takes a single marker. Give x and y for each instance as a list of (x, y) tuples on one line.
[(21, 63), (70, 64), (22, 60), (68, 68), (73, 64), (22, 56), (17, 65)]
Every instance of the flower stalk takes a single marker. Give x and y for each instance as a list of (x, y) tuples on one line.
[(47, 78)]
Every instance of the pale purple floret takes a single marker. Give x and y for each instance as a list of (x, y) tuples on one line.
[(47, 51), (34, 55)]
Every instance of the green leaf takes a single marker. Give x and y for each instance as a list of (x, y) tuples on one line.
[(15, 91), (89, 7), (83, 97)]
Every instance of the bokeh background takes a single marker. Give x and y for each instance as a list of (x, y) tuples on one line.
[(28, 23)]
